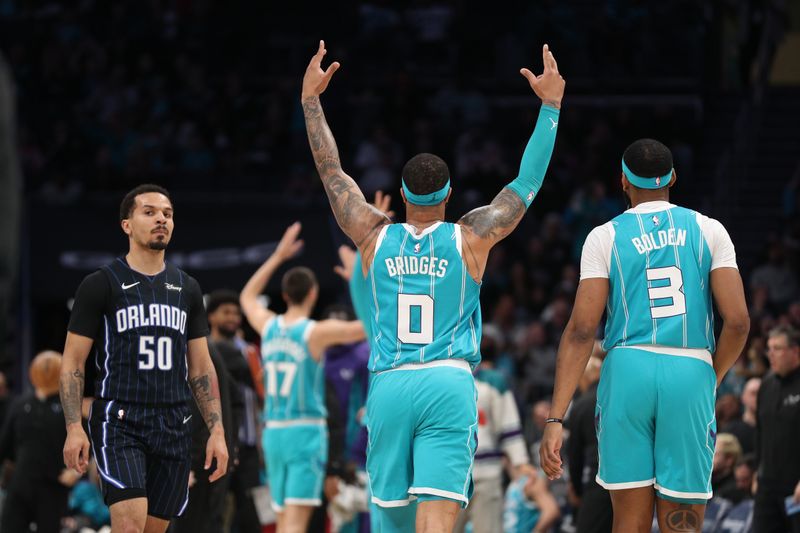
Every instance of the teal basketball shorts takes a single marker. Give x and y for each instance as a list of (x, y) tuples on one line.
[(297, 454), (655, 421), (422, 422)]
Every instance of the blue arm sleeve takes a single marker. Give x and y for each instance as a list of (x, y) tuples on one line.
[(359, 295), (536, 157)]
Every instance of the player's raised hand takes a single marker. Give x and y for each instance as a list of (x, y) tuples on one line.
[(216, 449), (316, 80), (550, 451), (549, 85), (76, 450), (289, 244), (348, 258), (383, 202)]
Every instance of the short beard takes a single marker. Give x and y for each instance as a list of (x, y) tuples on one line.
[(227, 333), (157, 245)]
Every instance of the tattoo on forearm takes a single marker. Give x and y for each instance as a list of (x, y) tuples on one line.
[(684, 519), (71, 392), (206, 393), (496, 220), (355, 216)]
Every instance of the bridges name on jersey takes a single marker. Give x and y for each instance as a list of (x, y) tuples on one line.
[(424, 303)]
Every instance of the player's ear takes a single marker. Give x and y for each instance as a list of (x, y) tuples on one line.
[(673, 179), (447, 198), (403, 196), (624, 181), (126, 226)]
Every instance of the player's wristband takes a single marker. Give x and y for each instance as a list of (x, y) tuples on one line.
[(536, 157), (555, 420)]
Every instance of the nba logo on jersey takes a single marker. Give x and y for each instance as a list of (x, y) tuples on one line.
[(655, 220)]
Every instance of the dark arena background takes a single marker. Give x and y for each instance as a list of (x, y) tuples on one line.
[(203, 98)]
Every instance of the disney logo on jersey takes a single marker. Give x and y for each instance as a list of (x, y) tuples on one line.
[(410, 265), (171, 287)]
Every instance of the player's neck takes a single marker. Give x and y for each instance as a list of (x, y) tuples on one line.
[(643, 198), (146, 261), (296, 312), (422, 217)]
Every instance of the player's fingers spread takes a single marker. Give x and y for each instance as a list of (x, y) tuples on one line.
[(333, 67), (553, 63), (528, 75)]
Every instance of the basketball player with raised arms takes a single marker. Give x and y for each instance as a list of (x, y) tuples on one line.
[(424, 280), (146, 321), (295, 440), (654, 268)]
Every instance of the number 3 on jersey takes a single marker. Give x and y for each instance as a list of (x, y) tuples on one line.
[(672, 291), (411, 306)]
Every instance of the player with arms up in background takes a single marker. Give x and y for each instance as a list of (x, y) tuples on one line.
[(654, 268), (292, 345), (146, 321), (424, 280)]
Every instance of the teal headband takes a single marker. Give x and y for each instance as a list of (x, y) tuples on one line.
[(433, 198), (657, 182)]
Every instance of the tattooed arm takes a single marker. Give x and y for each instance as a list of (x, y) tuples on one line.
[(71, 382), (205, 387), (484, 227), (357, 218)]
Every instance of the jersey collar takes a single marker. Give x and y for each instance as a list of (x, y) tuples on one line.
[(651, 207)]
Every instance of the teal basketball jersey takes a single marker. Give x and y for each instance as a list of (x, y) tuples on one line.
[(424, 304), (658, 260), (520, 515), (294, 383)]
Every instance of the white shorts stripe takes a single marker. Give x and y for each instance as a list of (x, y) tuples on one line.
[(626, 485), (393, 503), (312, 502), (454, 363), (678, 494), (438, 492), (694, 353)]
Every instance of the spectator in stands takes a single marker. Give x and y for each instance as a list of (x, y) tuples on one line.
[(205, 511), (89, 511), (745, 473), (4, 397), (777, 276), (32, 438), (744, 428), (727, 409), (778, 435), (535, 428), (723, 481), (529, 505), (499, 437), (593, 501), (225, 319), (537, 357)]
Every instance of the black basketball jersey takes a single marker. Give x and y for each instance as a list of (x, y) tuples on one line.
[(140, 325)]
